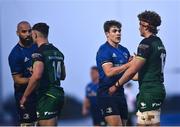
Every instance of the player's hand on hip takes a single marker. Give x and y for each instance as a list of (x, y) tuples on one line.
[(22, 102), (112, 89)]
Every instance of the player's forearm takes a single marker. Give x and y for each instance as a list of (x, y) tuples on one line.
[(86, 103), (31, 86), (116, 70), (86, 106), (128, 75)]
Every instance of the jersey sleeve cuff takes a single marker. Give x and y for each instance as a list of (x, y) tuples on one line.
[(141, 58)]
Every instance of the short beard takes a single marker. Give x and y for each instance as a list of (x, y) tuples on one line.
[(26, 41)]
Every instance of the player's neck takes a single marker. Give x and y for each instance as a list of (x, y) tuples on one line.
[(147, 35), (42, 41), (115, 45)]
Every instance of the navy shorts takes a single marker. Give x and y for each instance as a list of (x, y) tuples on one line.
[(98, 119), (27, 115), (113, 105)]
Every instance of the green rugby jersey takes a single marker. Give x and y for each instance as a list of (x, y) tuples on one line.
[(54, 69), (153, 51)]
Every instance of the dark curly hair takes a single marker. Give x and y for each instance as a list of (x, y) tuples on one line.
[(42, 28), (152, 18), (110, 23)]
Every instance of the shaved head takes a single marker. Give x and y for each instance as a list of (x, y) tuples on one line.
[(19, 26), (24, 33)]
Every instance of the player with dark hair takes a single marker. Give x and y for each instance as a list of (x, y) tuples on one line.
[(149, 64), (111, 62), (90, 101), (48, 70), (20, 63)]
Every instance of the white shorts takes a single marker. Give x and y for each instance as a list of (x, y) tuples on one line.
[(148, 117)]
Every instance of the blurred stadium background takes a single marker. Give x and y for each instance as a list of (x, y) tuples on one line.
[(76, 28)]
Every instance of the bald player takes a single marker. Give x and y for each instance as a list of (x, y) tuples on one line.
[(20, 63)]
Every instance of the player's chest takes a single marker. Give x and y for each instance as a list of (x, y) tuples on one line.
[(119, 58), (92, 91), (26, 59)]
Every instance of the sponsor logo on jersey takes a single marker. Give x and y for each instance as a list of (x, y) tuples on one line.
[(26, 59), (156, 104), (36, 55), (49, 113), (143, 46), (109, 110), (114, 55), (55, 58)]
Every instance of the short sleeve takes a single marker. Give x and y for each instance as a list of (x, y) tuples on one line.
[(15, 63), (144, 49), (37, 56), (103, 56)]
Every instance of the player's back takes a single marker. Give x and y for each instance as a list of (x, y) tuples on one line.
[(152, 71), (53, 60)]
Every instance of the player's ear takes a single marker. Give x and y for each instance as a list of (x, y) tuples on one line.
[(146, 29), (35, 35), (107, 34)]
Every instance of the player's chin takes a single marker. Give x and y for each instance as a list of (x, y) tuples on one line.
[(117, 41)]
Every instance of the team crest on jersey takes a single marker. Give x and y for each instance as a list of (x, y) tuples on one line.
[(143, 46), (26, 116), (156, 104), (125, 55), (36, 55), (143, 105)]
